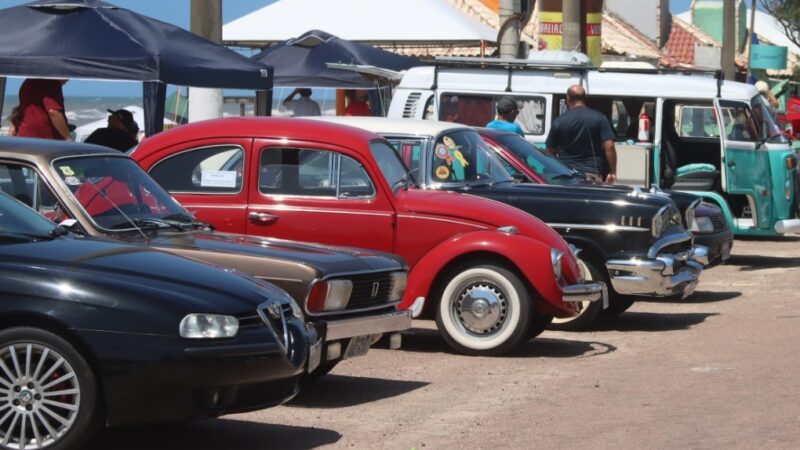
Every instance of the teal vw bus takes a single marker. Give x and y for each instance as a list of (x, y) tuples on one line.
[(713, 138)]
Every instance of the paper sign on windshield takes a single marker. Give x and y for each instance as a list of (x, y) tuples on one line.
[(218, 178)]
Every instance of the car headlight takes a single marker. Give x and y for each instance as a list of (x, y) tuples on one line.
[(329, 295), (702, 225), (555, 260), (208, 326), (399, 282), (665, 218)]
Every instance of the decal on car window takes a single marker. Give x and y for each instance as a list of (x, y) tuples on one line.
[(442, 172), (67, 171), (218, 178), (72, 181)]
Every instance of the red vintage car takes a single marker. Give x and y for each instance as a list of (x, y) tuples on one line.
[(492, 275)]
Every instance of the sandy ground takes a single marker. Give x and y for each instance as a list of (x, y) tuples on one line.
[(720, 369)]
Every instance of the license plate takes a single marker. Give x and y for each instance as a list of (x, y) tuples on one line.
[(314, 356), (358, 346)]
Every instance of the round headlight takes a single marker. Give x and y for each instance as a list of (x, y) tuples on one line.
[(208, 326)]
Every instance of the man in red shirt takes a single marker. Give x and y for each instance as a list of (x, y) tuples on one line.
[(41, 107), (356, 106)]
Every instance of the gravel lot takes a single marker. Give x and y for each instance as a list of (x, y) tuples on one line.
[(717, 370)]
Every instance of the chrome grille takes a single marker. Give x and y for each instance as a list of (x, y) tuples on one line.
[(370, 290)]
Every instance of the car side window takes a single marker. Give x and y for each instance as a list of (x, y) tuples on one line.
[(312, 173), (24, 184), (477, 110), (696, 121), (208, 170)]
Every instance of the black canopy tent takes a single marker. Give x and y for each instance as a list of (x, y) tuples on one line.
[(304, 62), (92, 39)]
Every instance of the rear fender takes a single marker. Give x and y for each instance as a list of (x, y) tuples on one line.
[(531, 258)]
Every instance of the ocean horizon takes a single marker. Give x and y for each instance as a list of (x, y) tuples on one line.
[(82, 110)]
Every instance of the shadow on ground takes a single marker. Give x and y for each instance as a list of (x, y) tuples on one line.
[(215, 434), (759, 262), (429, 341), (698, 297), (648, 321), (339, 391)]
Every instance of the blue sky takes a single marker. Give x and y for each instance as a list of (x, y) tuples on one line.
[(177, 12)]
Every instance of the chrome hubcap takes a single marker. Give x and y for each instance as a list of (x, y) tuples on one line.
[(481, 309), (39, 396)]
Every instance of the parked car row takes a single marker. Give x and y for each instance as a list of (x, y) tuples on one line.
[(221, 262)]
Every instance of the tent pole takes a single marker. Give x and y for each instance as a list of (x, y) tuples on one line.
[(155, 98), (2, 94)]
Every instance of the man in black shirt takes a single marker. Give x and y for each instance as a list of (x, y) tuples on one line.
[(120, 133), (582, 139)]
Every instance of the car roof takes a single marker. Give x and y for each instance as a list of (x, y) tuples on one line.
[(383, 125), (256, 127), (46, 150)]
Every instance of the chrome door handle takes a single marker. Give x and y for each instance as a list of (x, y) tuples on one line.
[(262, 218)]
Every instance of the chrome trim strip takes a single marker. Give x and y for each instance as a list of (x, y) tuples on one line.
[(608, 227), (362, 326), (436, 219), (278, 208), (585, 292)]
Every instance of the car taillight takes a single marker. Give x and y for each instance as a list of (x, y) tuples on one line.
[(330, 295)]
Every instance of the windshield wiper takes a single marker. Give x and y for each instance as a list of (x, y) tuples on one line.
[(189, 220), (158, 222)]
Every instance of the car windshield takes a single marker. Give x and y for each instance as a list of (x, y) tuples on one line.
[(463, 157), (19, 222), (393, 169), (534, 157), (767, 126), (118, 194)]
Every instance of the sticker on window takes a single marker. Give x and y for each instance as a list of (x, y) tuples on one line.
[(442, 172), (72, 181), (218, 178), (67, 171)]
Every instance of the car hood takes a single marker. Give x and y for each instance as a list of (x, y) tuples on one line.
[(325, 258), (681, 199), (489, 213), (135, 273)]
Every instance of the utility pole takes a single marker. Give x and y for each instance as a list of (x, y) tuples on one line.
[(750, 39), (571, 28), (509, 38), (728, 56), (206, 21)]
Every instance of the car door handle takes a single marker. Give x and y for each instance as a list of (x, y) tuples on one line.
[(262, 218)]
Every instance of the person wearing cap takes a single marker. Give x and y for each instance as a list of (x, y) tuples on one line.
[(120, 134), (583, 140), (766, 94), (41, 110), (303, 106), (507, 112)]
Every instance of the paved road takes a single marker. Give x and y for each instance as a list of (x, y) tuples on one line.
[(720, 369)]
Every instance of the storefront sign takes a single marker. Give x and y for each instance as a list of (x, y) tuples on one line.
[(768, 57)]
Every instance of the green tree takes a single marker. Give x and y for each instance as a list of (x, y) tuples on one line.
[(787, 12)]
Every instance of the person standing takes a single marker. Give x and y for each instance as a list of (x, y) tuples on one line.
[(582, 139), (507, 112), (41, 107), (303, 106)]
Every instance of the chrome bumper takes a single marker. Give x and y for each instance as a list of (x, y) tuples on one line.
[(666, 275), (362, 326), (787, 226), (585, 292)]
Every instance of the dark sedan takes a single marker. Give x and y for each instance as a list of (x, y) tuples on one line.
[(95, 332), (350, 295)]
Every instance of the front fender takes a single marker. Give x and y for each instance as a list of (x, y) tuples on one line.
[(530, 257)]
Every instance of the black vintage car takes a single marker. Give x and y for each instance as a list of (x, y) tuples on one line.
[(632, 240), (705, 220), (95, 332)]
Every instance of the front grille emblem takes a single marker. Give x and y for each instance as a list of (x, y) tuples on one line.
[(375, 287), (279, 328)]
